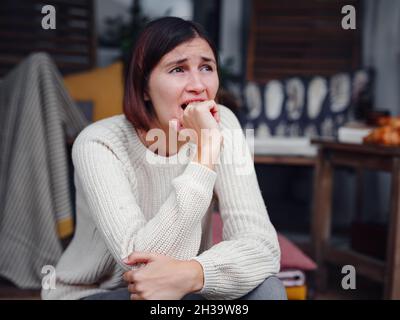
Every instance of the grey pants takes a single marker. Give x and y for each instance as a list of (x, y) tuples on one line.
[(271, 289)]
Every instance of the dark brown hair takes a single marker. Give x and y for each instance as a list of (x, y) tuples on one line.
[(157, 39)]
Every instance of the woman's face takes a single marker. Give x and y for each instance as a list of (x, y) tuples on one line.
[(186, 74)]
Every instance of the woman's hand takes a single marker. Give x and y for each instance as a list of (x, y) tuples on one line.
[(203, 118), (201, 115), (162, 277)]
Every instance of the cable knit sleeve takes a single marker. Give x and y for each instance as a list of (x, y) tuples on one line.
[(116, 213), (249, 252)]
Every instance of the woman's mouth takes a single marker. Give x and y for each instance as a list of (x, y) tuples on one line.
[(185, 104)]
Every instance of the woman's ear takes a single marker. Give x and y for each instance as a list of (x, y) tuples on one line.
[(146, 97)]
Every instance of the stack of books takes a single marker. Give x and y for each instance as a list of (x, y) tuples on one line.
[(295, 284), (354, 132)]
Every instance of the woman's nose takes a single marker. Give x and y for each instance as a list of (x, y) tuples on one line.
[(195, 83)]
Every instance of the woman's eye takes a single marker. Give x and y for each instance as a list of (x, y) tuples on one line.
[(176, 70), (207, 68)]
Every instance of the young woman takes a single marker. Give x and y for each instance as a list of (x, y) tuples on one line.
[(145, 182)]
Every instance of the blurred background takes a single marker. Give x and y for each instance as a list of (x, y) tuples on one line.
[(293, 71)]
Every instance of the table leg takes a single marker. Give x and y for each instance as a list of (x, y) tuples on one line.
[(392, 279), (321, 219)]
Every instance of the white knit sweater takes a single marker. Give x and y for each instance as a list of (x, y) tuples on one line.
[(127, 203)]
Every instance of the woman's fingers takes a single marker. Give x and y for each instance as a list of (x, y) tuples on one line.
[(197, 115), (215, 112), (127, 276), (211, 105), (132, 288), (136, 296)]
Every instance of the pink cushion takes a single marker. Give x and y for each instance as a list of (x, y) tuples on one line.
[(291, 255)]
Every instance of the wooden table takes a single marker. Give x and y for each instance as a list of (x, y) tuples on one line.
[(285, 160), (330, 154)]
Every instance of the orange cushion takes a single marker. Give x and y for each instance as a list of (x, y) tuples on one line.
[(102, 86)]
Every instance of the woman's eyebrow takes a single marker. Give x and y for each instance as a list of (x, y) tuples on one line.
[(172, 63), (180, 61)]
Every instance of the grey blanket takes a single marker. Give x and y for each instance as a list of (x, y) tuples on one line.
[(36, 114)]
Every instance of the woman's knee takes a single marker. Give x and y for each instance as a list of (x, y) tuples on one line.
[(270, 289)]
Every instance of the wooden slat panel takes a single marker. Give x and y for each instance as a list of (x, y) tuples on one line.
[(302, 37), (70, 15), (72, 44), (26, 26), (52, 38), (305, 71), (81, 4), (305, 7), (302, 31), (30, 7), (293, 62), (310, 4)]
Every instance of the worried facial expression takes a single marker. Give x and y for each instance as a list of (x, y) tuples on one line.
[(186, 74)]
